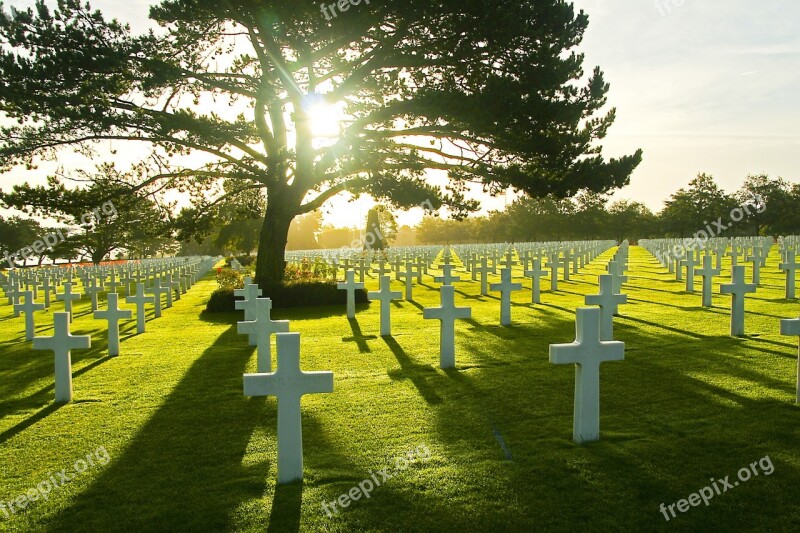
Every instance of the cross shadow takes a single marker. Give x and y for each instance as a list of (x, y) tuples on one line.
[(410, 370), (416, 304), (286, 505), (28, 422), (358, 337)]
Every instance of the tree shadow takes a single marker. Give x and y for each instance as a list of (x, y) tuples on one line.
[(205, 421)]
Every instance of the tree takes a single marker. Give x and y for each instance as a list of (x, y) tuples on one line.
[(768, 205), (630, 220), (690, 210), (103, 225), (303, 232), (491, 92), (591, 217), (15, 234), (381, 228)]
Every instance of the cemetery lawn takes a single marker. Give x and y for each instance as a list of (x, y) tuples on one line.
[(190, 452)]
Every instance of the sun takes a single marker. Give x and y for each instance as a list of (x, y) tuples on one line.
[(326, 120)]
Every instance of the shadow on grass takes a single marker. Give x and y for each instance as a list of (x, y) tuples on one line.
[(286, 506), (184, 469), (28, 422), (412, 371), (358, 337)]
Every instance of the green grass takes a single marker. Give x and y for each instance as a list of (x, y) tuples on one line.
[(190, 452)]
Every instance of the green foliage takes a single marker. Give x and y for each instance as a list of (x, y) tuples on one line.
[(307, 271), (502, 80), (106, 215), (775, 210), (299, 293), (221, 300), (229, 279)]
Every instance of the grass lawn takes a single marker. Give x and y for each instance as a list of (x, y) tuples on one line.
[(189, 452)]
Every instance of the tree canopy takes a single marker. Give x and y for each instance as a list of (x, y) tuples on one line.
[(491, 92)]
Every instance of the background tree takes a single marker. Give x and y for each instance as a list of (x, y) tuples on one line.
[(692, 209), (776, 205), (491, 92), (591, 218), (303, 232), (631, 220), (101, 226), (17, 233)]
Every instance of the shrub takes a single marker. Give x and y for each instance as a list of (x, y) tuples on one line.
[(307, 270), (245, 260), (229, 279), (298, 294), (221, 301)]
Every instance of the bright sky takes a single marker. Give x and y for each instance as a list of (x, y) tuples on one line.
[(700, 85)]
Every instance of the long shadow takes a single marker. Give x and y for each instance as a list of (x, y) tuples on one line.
[(412, 371), (668, 328), (203, 421), (416, 304), (286, 506), (358, 337), (28, 422)]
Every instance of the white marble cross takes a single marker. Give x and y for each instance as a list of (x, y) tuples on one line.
[(615, 269), (609, 303), (447, 313), (789, 266), (289, 384), (29, 308), (446, 278), (791, 327), (157, 290), (261, 329), (14, 293), (756, 260), (385, 295), (737, 289), (690, 262), (113, 315), (535, 273), (552, 265), (67, 296), (506, 288), (408, 278), (707, 272), (93, 289), (47, 289), (250, 292), (61, 344), (483, 271), (382, 268), (587, 353), (350, 286), (140, 300)]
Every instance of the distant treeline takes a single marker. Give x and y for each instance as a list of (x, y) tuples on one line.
[(774, 209)]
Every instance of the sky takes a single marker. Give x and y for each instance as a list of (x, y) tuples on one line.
[(707, 86)]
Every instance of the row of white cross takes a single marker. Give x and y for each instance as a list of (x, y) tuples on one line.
[(62, 342), (592, 346)]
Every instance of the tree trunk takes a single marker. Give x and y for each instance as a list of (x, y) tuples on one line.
[(271, 262)]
